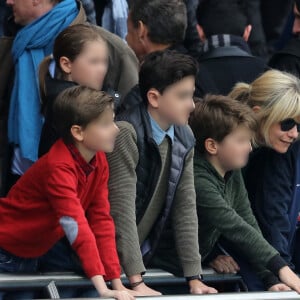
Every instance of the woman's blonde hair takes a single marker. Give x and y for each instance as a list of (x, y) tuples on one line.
[(277, 94)]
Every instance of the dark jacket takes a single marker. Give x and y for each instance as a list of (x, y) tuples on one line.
[(49, 134), (149, 166), (288, 59), (268, 19), (132, 99), (192, 41), (221, 68), (273, 183)]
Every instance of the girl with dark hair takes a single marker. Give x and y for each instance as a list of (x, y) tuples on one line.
[(80, 57)]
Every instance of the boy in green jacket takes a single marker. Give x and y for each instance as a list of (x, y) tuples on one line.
[(229, 238)]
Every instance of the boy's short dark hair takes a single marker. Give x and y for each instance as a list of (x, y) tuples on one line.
[(78, 105), (166, 20), (222, 17), (217, 116), (161, 69)]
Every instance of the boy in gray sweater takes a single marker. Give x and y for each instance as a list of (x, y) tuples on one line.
[(151, 171)]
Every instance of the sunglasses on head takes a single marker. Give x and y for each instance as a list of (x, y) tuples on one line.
[(288, 124)]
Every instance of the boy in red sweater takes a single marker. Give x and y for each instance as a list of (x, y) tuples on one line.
[(65, 194)]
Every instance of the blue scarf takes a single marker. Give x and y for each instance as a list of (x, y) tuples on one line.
[(31, 45), (114, 17)]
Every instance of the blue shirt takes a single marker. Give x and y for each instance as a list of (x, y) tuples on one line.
[(158, 133)]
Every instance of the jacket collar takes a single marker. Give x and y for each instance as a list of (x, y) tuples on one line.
[(225, 40), (86, 167), (202, 161), (158, 133)]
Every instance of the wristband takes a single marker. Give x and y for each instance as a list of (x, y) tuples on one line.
[(135, 284), (196, 277)]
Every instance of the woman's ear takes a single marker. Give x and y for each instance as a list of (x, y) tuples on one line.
[(65, 65), (77, 133), (256, 109), (247, 33), (201, 33), (211, 146)]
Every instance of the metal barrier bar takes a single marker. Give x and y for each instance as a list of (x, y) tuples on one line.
[(52, 291), (229, 296), (51, 282), (233, 296), (152, 276), (39, 281)]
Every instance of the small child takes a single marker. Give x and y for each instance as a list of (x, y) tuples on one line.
[(229, 237), (80, 57), (65, 193)]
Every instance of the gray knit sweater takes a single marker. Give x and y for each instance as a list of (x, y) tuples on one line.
[(122, 188)]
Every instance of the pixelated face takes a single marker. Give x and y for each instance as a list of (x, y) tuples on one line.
[(176, 102), (233, 151), (280, 140), (90, 67), (22, 10), (100, 134)]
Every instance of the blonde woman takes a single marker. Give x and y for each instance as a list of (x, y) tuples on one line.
[(272, 175)]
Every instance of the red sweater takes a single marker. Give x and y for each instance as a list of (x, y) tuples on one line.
[(54, 198)]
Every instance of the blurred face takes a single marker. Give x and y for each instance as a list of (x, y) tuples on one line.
[(133, 40), (280, 140), (26, 11), (90, 67), (176, 103), (23, 11), (296, 25), (233, 151), (101, 133)]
